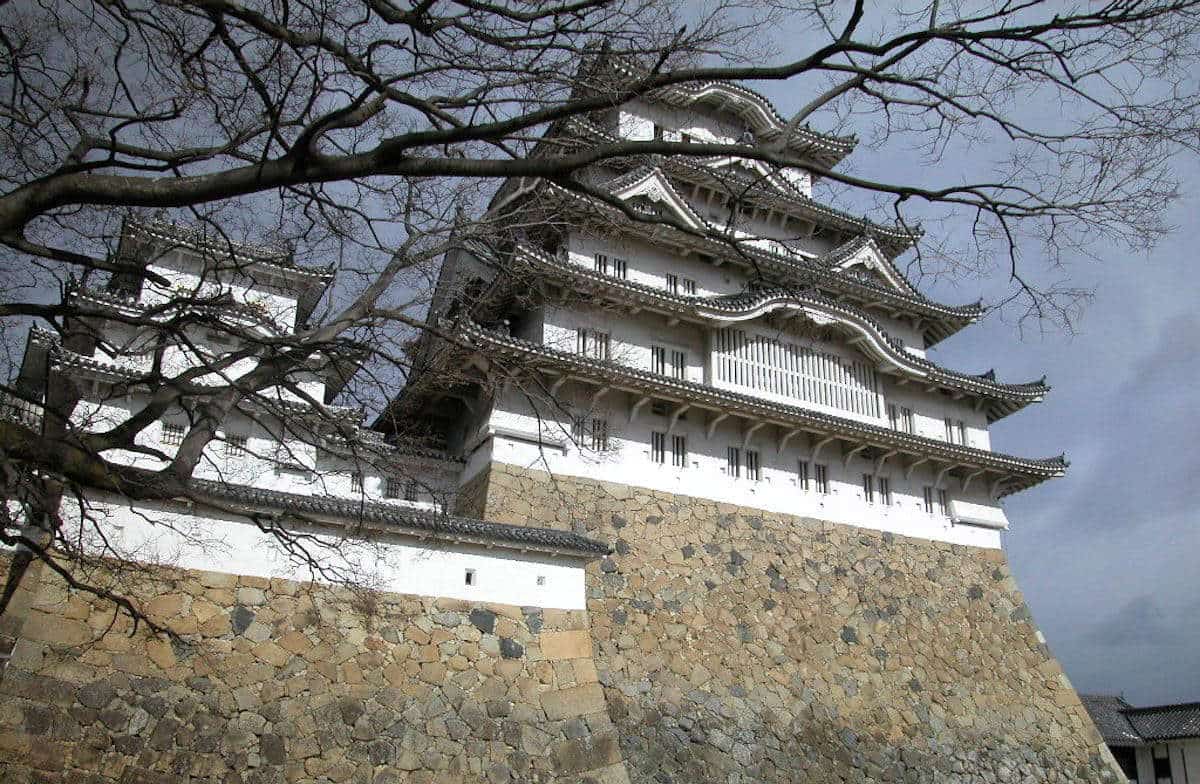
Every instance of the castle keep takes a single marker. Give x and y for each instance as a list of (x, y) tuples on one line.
[(701, 510)]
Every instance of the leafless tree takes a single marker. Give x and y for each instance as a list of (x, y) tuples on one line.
[(358, 136)]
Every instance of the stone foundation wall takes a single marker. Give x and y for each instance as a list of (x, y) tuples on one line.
[(737, 646), (273, 681)]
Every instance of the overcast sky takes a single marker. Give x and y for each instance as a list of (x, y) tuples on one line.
[(1108, 557)]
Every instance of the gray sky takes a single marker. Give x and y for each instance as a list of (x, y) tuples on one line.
[(1108, 557)]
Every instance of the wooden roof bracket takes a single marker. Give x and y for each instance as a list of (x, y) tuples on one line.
[(816, 453), (908, 472), (883, 459), (783, 441), (994, 490), (750, 431), (712, 425), (637, 407), (850, 455), (675, 417), (937, 482), (558, 384), (966, 485), (599, 393)]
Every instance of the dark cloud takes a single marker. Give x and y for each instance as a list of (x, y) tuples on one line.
[(1140, 622)]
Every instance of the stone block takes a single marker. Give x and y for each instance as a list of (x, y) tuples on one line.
[(576, 701), (566, 645)]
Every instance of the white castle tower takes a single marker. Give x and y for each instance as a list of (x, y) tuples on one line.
[(785, 372), (286, 462)]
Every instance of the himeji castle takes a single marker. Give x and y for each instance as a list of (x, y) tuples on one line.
[(672, 493), (705, 327)]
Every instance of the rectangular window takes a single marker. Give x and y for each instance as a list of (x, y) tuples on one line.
[(678, 364), (658, 360), (802, 475), (687, 138), (943, 499), (949, 430), (356, 481), (577, 430), (235, 445), (172, 434), (620, 268), (928, 499), (821, 476), (962, 432), (393, 488), (906, 415), (894, 416), (753, 465), (679, 451), (658, 447), (600, 435), (469, 577), (689, 287), (590, 343), (410, 490), (672, 283), (868, 488), (733, 462), (658, 132), (885, 491), (601, 265)]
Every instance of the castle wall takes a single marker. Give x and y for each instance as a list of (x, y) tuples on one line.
[(273, 681), (736, 645)]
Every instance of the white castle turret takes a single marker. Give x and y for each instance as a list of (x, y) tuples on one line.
[(286, 462), (704, 327)]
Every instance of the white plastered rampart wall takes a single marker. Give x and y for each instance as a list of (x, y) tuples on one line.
[(171, 534), (515, 434)]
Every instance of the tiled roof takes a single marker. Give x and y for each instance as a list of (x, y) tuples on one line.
[(1009, 397), (1030, 470), (1121, 724), (200, 240), (383, 516), (1108, 714), (1166, 722), (943, 320)]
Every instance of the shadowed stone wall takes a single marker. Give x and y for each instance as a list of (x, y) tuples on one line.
[(738, 646), (275, 681)]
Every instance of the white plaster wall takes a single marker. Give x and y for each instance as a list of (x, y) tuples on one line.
[(517, 428), (637, 118), (930, 411), (168, 535), (649, 264), (248, 285)]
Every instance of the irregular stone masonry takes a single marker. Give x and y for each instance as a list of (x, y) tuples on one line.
[(739, 646), (274, 681)]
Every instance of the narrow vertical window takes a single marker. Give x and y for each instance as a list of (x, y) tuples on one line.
[(410, 490), (600, 435), (658, 132), (962, 432), (581, 341), (658, 360), (733, 462), (885, 491), (679, 451), (602, 263), (672, 283), (943, 499), (591, 343), (172, 434), (928, 499), (949, 430), (620, 269), (678, 364), (469, 577), (753, 465), (393, 488), (689, 287), (658, 447), (868, 488), (907, 415), (821, 475), (601, 342), (894, 416), (577, 430), (356, 481), (235, 445), (802, 475)]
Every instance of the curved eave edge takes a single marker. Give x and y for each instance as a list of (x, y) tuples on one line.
[(1031, 470), (955, 317), (1007, 398)]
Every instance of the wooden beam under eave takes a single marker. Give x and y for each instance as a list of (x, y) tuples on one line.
[(712, 424), (637, 407)]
